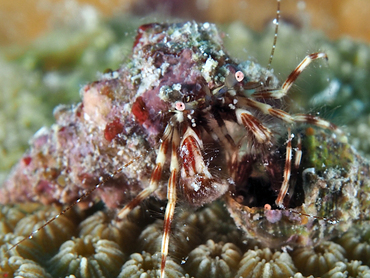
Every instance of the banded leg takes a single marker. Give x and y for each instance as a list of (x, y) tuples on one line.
[(296, 164), (279, 93), (297, 118), (287, 169), (298, 154), (171, 197), (261, 133), (154, 179)]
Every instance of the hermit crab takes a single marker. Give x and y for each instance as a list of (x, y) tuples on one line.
[(182, 120)]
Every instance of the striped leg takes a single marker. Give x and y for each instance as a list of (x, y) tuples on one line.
[(287, 169), (171, 196), (156, 175), (317, 121), (297, 163), (298, 154), (261, 133), (279, 93), (297, 118)]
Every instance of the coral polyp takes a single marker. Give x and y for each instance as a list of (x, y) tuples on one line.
[(50, 237), (87, 257), (9, 217), (19, 267), (318, 260), (101, 225), (213, 260), (265, 263), (356, 242), (147, 265)]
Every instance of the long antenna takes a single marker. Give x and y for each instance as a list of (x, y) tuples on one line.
[(276, 22), (84, 196)]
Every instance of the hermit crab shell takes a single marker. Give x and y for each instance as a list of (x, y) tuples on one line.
[(331, 192), (121, 119)]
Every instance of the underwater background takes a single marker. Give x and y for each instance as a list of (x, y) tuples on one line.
[(35, 77)]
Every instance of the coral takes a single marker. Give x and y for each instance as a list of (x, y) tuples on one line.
[(53, 235), (103, 226), (9, 217), (214, 223), (87, 257), (184, 237), (18, 267), (29, 249), (356, 242), (351, 269), (330, 256), (318, 260), (299, 275), (264, 263), (225, 231), (208, 214), (213, 260), (147, 265), (5, 245), (357, 269)]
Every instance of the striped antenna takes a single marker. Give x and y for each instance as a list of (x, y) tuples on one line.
[(276, 22), (84, 196)]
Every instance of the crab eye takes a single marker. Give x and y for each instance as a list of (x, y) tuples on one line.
[(239, 76), (180, 106)]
